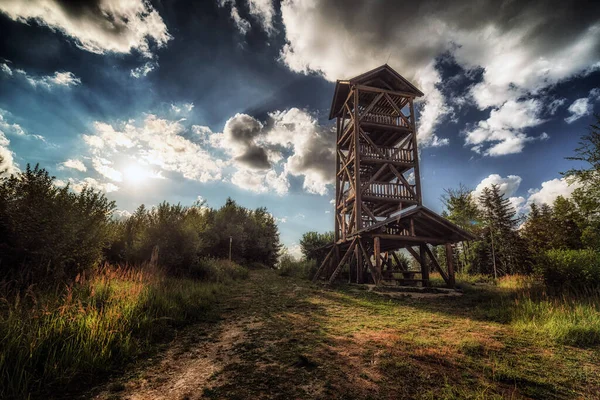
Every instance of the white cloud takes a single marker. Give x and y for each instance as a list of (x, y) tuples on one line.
[(102, 166), (503, 132), (584, 106), (312, 145), (154, 141), (144, 69), (64, 78), (8, 165), (73, 164), (261, 182), (550, 190), (242, 25), (99, 27), (507, 186), (78, 184), (264, 11), (579, 108), (8, 128), (182, 108), (521, 48), (121, 215)]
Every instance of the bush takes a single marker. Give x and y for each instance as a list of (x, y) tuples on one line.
[(571, 270), (215, 270), (288, 266), (49, 233)]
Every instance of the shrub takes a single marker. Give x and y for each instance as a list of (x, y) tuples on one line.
[(288, 266), (572, 270), (49, 233), (216, 270)]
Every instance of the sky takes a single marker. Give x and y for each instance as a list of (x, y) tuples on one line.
[(185, 100)]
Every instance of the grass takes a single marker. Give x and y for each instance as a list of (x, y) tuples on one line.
[(345, 343), (69, 336)]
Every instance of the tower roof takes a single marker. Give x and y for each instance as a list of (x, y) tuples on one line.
[(383, 77)]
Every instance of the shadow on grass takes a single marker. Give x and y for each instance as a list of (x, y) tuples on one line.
[(321, 343)]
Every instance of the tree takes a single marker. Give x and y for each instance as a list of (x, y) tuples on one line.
[(460, 208), (587, 197), (507, 250), (313, 245)]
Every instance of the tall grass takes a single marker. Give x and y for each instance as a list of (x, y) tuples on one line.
[(50, 339), (570, 318)]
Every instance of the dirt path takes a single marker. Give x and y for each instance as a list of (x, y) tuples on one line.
[(284, 338)]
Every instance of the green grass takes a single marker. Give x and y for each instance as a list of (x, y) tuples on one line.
[(362, 345), (69, 337)]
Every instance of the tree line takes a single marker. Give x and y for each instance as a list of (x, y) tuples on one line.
[(49, 233)]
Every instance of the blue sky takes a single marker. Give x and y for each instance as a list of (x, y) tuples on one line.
[(153, 101)]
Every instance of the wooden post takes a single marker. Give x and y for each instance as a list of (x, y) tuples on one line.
[(415, 152), (357, 190), (336, 231), (359, 266), (424, 266), (450, 263), (377, 253)]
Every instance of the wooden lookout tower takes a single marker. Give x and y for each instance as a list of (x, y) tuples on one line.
[(378, 198)]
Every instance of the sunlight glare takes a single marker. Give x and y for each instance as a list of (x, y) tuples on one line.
[(135, 174)]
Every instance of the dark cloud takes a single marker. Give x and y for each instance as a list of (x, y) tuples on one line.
[(255, 158)]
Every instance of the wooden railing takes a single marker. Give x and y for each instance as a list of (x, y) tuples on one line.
[(385, 119), (389, 190), (386, 153)]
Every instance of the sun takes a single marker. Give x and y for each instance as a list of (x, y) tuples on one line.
[(135, 174)]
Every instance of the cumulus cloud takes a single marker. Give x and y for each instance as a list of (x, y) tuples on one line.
[(289, 142), (78, 184), (98, 26), (550, 190), (582, 107), (520, 47), (73, 164), (260, 181), (239, 138), (312, 146), (121, 215), (504, 131), (154, 141), (183, 108), (7, 162), (64, 78), (507, 186)]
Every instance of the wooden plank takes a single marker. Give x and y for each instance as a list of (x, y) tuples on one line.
[(322, 266), (367, 258), (337, 270), (437, 265)]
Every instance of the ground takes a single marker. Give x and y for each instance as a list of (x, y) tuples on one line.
[(285, 338)]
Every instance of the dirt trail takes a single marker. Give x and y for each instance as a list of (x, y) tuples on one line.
[(193, 362), (284, 338)]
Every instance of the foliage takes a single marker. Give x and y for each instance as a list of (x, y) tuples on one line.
[(49, 233), (288, 266), (184, 235), (49, 340), (312, 245), (572, 270)]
